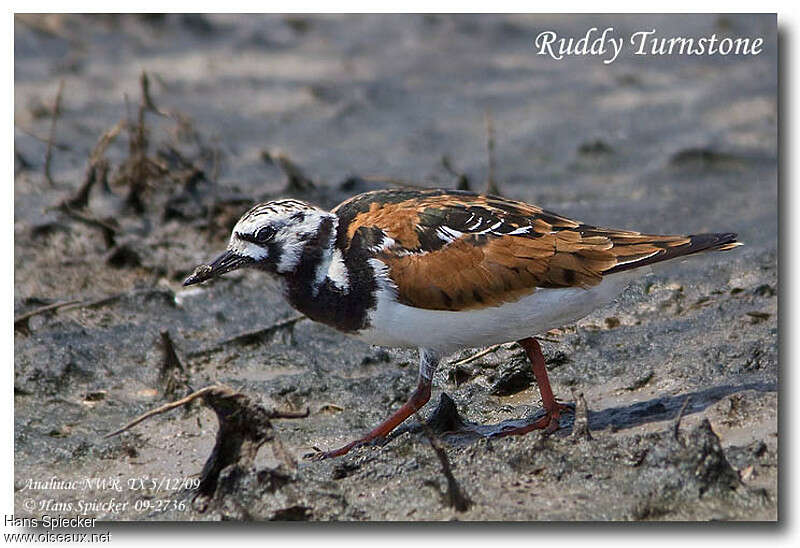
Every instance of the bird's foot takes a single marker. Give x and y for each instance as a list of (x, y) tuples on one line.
[(549, 423), (319, 455)]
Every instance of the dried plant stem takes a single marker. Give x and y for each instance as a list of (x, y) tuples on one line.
[(48, 156), (491, 183)]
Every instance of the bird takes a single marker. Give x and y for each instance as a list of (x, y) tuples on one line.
[(443, 270)]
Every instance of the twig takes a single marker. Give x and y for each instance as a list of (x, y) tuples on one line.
[(21, 321), (494, 348), (109, 230), (296, 180), (170, 355), (172, 373), (676, 424), (185, 172), (147, 100), (491, 184), (482, 353), (137, 150), (81, 197), (456, 497), (244, 426), (217, 389), (106, 139), (251, 337), (111, 298), (273, 414), (580, 428), (49, 153), (149, 104), (463, 180), (167, 407), (487, 350), (97, 170)]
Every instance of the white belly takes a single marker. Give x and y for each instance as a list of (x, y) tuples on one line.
[(395, 324)]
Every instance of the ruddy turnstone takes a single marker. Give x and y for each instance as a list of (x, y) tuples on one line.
[(442, 270)]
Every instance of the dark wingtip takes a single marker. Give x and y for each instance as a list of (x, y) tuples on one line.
[(722, 242), (719, 241)]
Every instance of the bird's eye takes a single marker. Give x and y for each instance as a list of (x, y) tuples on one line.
[(264, 234)]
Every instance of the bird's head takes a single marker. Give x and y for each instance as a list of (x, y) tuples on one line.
[(271, 236)]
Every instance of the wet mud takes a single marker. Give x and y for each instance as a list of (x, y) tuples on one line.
[(139, 140)]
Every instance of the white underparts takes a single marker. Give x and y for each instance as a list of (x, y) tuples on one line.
[(394, 324)]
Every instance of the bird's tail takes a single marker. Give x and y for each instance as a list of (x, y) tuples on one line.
[(635, 250)]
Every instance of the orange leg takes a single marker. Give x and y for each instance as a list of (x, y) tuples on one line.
[(552, 408), (427, 366)]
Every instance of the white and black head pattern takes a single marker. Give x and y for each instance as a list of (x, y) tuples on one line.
[(273, 235), (297, 245)]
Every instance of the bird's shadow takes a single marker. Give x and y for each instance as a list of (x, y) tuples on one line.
[(446, 421)]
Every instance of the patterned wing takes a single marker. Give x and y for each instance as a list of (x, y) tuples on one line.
[(451, 250)]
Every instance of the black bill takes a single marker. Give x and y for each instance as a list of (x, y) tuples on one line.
[(224, 263)]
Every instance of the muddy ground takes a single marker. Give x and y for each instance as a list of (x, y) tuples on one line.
[(146, 176)]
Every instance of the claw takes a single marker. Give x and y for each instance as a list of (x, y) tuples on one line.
[(549, 423), (315, 455), (322, 455)]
